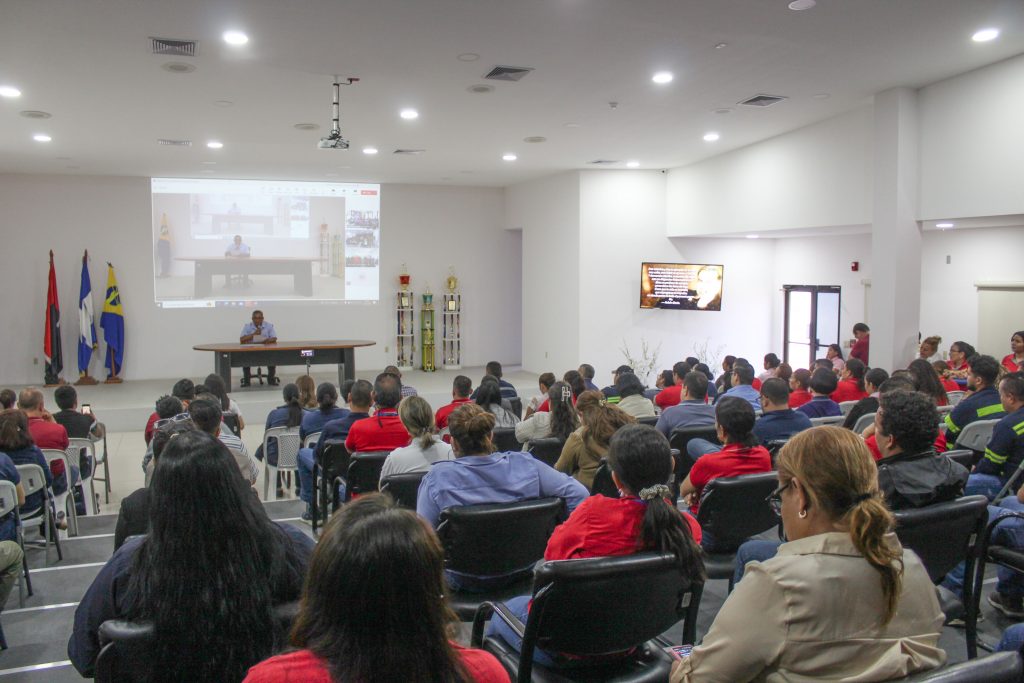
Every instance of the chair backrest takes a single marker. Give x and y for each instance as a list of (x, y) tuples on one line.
[(603, 484), (651, 420), (547, 450), (609, 604), (863, 422), (963, 456), (942, 410), (681, 436), (8, 497), (53, 455), (334, 460), (945, 534), (404, 488), (32, 478), (311, 440), (999, 667), (847, 406), (288, 443), (955, 397), (505, 439), (976, 435), (500, 538), (732, 509), (364, 472), (517, 406), (827, 420), (77, 445), (231, 420)]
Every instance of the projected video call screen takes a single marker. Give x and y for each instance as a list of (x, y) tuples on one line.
[(245, 242), (681, 286)]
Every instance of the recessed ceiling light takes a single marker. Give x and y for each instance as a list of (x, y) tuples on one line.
[(306, 126), (369, 150), (214, 144), (802, 4), (35, 114), (572, 125), (468, 57), (223, 103), (662, 77), (711, 137), (509, 157), (209, 163), (9, 91), (41, 137), (534, 139), (235, 38), (409, 114), (985, 35), (480, 89), (721, 46), (943, 225), (178, 67), (632, 164), (821, 96), (752, 237)]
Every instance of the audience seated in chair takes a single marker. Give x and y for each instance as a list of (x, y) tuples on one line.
[(631, 396), (489, 397), (407, 389), (927, 381), (823, 383), (692, 410), (16, 441), (842, 600), (742, 385), (587, 446), (611, 393), (327, 410), (7, 399), (544, 383), (799, 387), (851, 382), (983, 403), (958, 367), (671, 395), (288, 415), (206, 575), (376, 562), (587, 374), (559, 421), (1004, 454), (426, 447), (215, 385), (46, 433), (478, 476), (183, 390), (384, 432), (493, 371), (869, 404), (207, 417), (462, 387), (779, 421), (642, 519)]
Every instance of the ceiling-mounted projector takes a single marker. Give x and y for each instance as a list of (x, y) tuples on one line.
[(334, 139)]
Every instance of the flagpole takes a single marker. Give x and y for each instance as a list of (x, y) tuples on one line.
[(85, 379)]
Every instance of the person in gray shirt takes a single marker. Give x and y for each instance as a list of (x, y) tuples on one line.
[(691, 411)]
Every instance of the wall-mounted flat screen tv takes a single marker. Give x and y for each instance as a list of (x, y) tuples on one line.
[(681, 286)]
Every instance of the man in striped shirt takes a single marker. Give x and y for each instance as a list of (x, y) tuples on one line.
[(1005, 451), (207, 416), (407, 390)]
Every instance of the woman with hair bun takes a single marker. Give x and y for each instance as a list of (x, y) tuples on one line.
[(842, 600)]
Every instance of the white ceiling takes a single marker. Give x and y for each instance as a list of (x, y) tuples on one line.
[(88, 62)]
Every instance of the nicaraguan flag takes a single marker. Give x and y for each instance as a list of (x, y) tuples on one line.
[(112, 322), (51, 336), (86, 320)]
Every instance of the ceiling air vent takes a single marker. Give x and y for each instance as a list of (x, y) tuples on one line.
[(762, 100), (409, 152), (602, 162), (178, 48), (174, 143), (507, 73)]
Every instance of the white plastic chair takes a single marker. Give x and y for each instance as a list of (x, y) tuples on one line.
[(955, 397), (75, 446), (60, 501), (863, 422), (976, 435), (9, 505), (287, 442), (32, 480), (311, 440), (944, 409), (846, 407), (829, 420)]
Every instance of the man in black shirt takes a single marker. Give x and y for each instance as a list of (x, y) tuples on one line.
[(78, 424)]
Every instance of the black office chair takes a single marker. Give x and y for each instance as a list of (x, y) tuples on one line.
[(404, 488), (1004, 556), (651, 420), (1001, 667), (327, 474), (547, 450), (495, 540), (678, 440), (517, 406), (943, 536), (965, 457), (596, 608), (231, 420), (774, 446), (364, 470), (504, 439), (603, 483), (732, 509), (125, 646)]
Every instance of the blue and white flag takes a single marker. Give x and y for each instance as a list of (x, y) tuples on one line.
[(87, 341)]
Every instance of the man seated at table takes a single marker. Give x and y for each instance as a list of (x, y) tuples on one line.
[(259, 332), (237, 249)]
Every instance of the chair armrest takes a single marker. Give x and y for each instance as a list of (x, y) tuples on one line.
[(484, 612)]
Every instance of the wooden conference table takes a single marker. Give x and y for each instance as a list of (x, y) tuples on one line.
[(340, 351), (301, 270)]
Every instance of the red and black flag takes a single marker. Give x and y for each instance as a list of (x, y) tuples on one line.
[(51, 338)]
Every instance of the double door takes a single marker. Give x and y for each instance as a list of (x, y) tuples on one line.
[(811, 323)]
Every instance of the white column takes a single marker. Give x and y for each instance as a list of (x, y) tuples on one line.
[(895, 235)]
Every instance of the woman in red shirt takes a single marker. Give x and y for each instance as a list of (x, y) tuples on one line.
[(376, 563), (926, 380), (799, 385), (959, 352), (941, 369), (1014, 361), (851, 384), (641, 519)]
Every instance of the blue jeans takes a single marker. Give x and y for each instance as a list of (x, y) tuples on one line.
[(987, 485), (305, 467), (753, 551), (697, 448), (519, 606), (1013, 639), (1008, 533)]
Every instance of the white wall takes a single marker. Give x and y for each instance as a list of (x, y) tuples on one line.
[(972, 142), (547, 211), (819, 175), (429, 228)]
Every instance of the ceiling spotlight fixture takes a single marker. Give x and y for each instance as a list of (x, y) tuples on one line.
[(711, 137), (632, 164), (821, 96), (235, 38), (409, 114), (41, 137), (752, 237), (334, 139), (798, 5), (178, 67), (943, 226), (534, 139), (985, 35), (369, 150), (214, 144), (35, 114), (306, 126), (572, 125), (509, 157), (208, 163), (9, 91), (662, 77), (468, 57), (721, 46), (480, 89)]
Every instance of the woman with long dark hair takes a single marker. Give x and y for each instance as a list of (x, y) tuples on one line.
[(560, 420), (927, 381), (215, 385), (488, 397), (207, 575), (378, 562), (327, 410), (959, 353), (288, 415), (851, 383)]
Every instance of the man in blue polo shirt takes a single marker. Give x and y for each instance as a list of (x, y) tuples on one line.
[(779, 421), (691, 411), (1005, 451), (983, 403), (742, 381), (259, 332)]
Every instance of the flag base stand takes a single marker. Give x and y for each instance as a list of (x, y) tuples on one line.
[(86, 380), (58, 383), (113, 379)]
